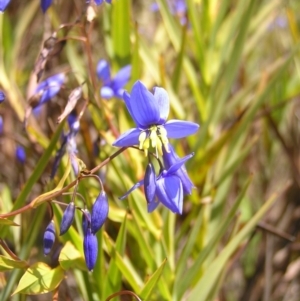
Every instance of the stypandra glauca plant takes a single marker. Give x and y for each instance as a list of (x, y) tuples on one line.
[(109, 187)]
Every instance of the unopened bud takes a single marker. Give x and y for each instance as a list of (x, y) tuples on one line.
[(99, 212), (67, 218), (90, 248), (49, 237), (150, 183)]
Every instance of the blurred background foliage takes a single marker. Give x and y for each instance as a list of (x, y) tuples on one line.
[(231, 66)]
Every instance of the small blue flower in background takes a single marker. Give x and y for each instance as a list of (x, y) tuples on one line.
[(99, 2), (68, 144), (168, 188), (112, 87), (49, 88), (2, 96), (3, 5), (20, 154), (45, 4), (177, 7), (150, 112)]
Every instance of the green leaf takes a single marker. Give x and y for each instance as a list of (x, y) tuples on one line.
[(152, 281), (7, 263), (208, 280), (113, 275), (40, 279), (7, 222), (71, 258), (121, 32)]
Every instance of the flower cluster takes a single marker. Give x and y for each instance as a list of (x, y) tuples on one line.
[(91, 224), (150, 112)]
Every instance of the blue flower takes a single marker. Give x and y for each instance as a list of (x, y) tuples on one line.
[(45, 4), (177, 7), (98, 2), (112, 87), (168, 188), (47, 89), (150, 112), (3, 5)]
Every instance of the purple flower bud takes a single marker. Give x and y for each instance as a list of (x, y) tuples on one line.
[(49, 237), (2, 95), (3, 5), (67, 218), (86, 221), (99, 212), (20, 154), (45, 4), (150, 183), (90, 248), (1, 125)]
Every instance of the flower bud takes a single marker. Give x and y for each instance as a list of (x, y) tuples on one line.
[(99, 212), (90, 248), (20, 154), (2, 96), (150, 183), (49, 237), (67, 218), (86, 221)]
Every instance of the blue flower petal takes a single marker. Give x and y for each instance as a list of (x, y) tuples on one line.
[(121, 78), (49, 238), (3, 5), (127, 99), (170, 158), (143, 105), (129, 138), (162, 98), (135, 186), (2, 95), (179, 164), (170, 193), (179, 128), (103, 69), (106, 92), (152, 206)]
